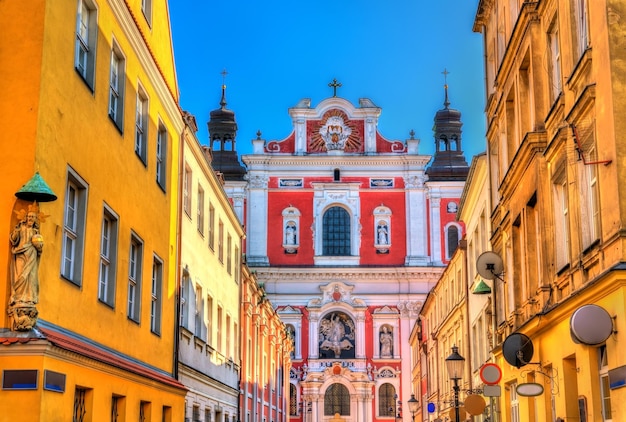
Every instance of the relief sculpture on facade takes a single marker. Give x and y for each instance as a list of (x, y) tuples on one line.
[(337, 334)]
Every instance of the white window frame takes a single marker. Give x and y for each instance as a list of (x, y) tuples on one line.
[(554, 49), (156, 296), (187, 179), (200, 210), (605, 390), (582, 25), (561, 219), (229, 254), (74, 228), (86, 38), (146, 9), (108, 257), (117, 78), (590, 201), (141, 125), (199, 312), (446, 231), (161, 156), (135, 260)]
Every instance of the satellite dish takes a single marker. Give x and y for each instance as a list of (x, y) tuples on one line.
[(489, 265), (591, 325), (518, 349)]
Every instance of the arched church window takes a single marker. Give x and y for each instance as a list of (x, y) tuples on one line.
[(336, 232), (337, 400), (337, 175), (336, 336), (293, 400), (386, 400), (452, 240)]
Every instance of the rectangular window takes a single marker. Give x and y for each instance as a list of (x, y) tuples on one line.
[(209, 319), (20, 379), (156, 295), (554, 61), (145, 409), (82, 405), (590, 201), (229, 254), (141, 125), (228, 339), (184, 300), (116, 87), (199, 313), (54, 381), (161, 157), (211, 226), (200, 220), (146, 8), (219, 329), (561, 216), (515, 417), (86, 30), (237, 264), (134, 277), (74, 228), (220, 242), (187, 190), (108, 257), (605, 390), (582, 25)]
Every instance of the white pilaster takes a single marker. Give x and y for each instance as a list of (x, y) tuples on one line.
[(435, 227), (417, 222), (257, 225)]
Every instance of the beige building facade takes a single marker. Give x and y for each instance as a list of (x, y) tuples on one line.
[(555, 101)]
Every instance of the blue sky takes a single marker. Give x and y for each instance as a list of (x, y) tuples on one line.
[(277, 52)]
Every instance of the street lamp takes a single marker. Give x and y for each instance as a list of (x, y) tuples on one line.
[(413, 405), (454, 365)]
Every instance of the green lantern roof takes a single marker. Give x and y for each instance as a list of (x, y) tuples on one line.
[(481, 288), (36, 189)]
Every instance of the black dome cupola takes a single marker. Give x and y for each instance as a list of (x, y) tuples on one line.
[(449, 162)]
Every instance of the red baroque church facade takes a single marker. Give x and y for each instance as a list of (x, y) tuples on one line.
[(347, 231)]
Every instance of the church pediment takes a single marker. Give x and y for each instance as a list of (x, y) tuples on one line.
[(335, 127), (336, 292)]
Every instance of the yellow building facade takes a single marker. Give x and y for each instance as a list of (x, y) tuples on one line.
[(443, 325), (90, 106), (210, 325), (267, 347), (555, 106)]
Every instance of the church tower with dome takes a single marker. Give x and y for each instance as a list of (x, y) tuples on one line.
[(347, 231)]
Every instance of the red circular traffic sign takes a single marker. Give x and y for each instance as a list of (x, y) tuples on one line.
[(490, 373)]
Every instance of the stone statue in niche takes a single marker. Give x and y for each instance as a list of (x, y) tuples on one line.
[(290, 234), (26, 249), (386, 343), (383, 234)]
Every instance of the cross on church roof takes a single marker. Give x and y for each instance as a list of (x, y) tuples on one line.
[(334, 85)]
